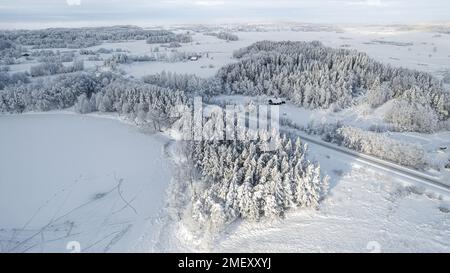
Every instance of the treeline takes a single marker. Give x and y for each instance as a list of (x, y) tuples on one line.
[(221, 181), (9, 52), (123, 58), (49, 94), (189, 83), (105, 92), (223, 36), (145, 104), (446, 78), (405, 154), (78, 37), (56, 57), (101, 51), (169, 37), (370, 143), (12, 78), (314, 76), (55, 67)]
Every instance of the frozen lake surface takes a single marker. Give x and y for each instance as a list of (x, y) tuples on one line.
[(66, 177)]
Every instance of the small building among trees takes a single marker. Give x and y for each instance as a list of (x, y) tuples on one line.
[(276, 102)]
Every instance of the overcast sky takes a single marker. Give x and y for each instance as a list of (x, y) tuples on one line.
[(47, 13)]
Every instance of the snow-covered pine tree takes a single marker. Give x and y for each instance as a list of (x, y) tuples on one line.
[(286, 172)]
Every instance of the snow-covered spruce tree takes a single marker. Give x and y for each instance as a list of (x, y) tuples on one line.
[(234, 179), (446, 78), (378, 94), (84, 105)]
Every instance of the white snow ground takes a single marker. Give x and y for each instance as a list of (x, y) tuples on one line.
[(60, 176), (59, 173)]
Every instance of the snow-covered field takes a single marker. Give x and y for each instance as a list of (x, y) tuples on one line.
[(415, 49), (61, 173), (66, 177), (424, 51), (96, 180)]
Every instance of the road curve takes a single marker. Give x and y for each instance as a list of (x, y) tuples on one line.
[(399, 170), (396, 169)]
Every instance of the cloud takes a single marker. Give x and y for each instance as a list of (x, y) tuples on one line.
[(73, 2), (370, 3), (246, 3), (209, 3), (218, 11)]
